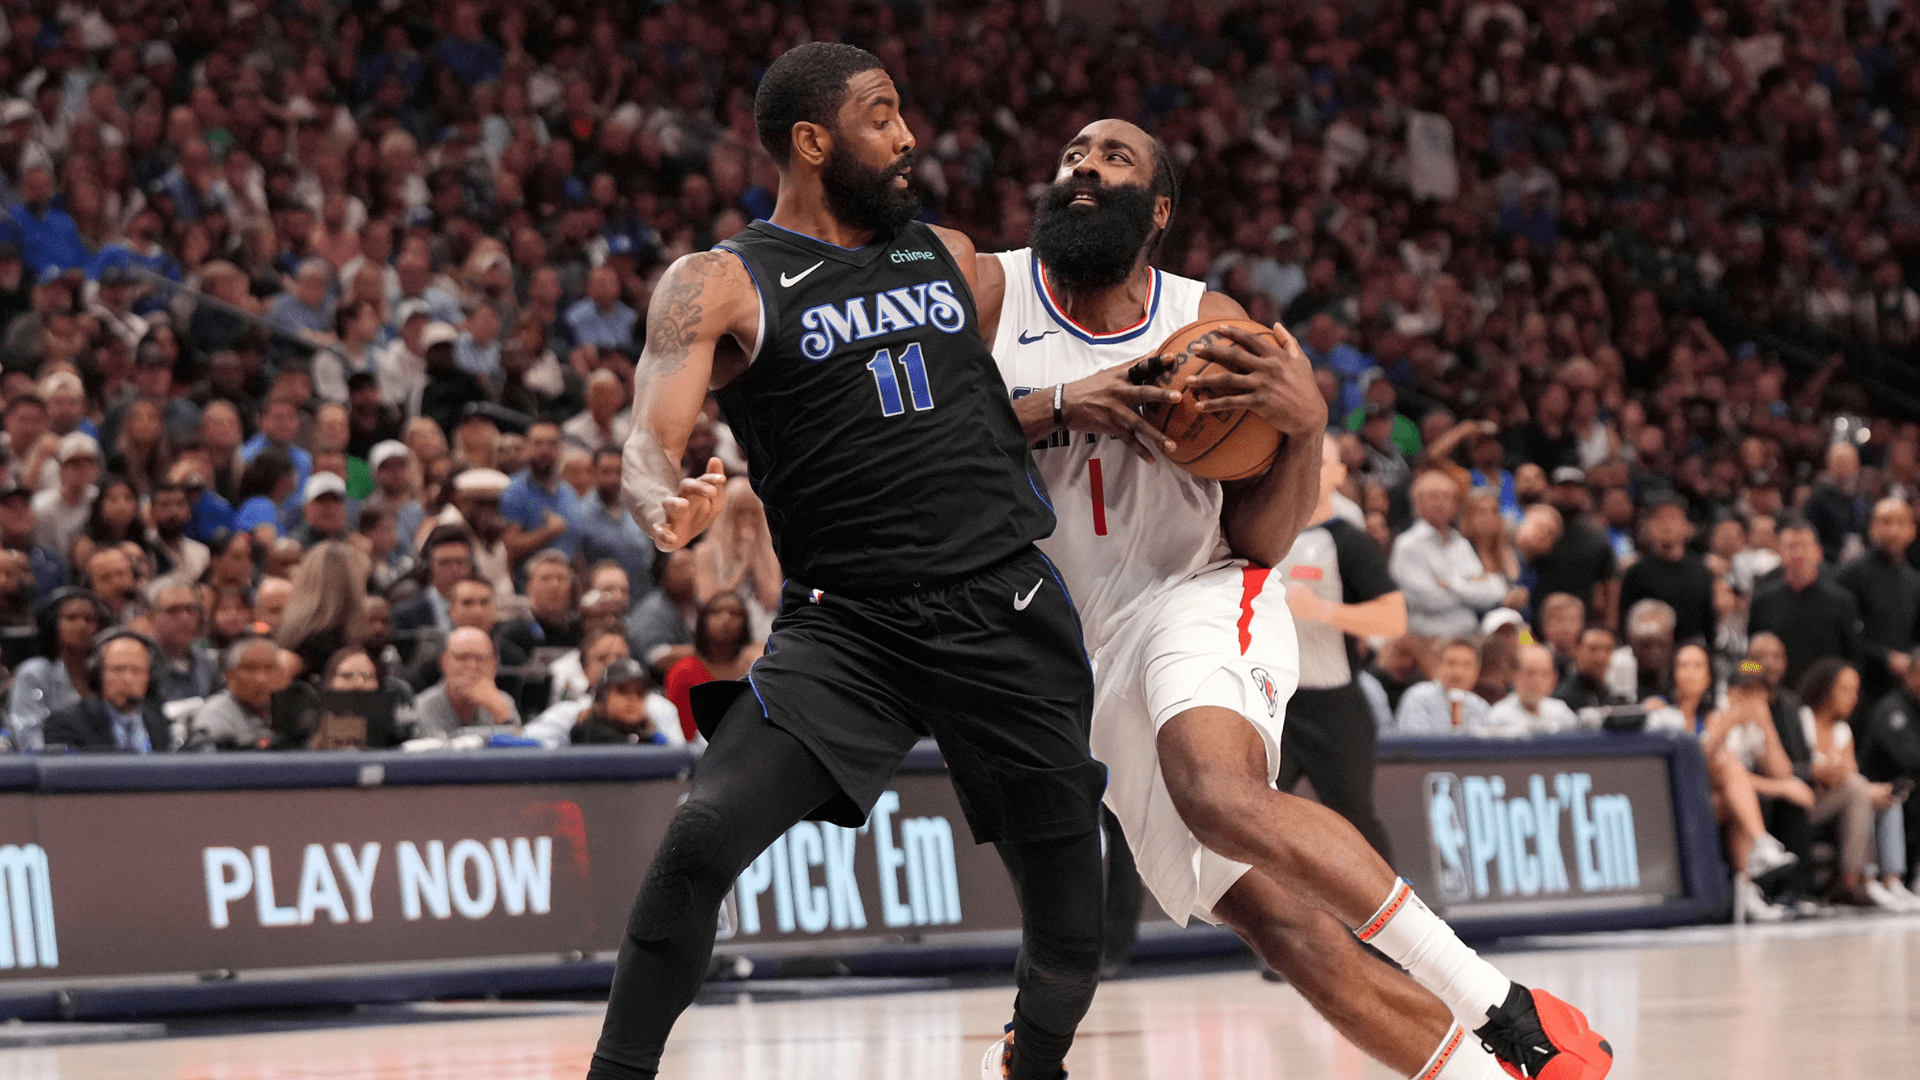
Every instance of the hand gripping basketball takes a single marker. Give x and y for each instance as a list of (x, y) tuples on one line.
[(1245, 386)]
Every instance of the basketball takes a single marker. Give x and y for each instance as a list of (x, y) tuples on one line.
[(1219, 446)]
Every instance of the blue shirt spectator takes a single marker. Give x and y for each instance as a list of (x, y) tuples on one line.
[(537, 491), (600, 318), (467, 52), (606, 529), (47, 236), (309, 305)]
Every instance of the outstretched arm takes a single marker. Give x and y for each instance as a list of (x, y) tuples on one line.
[(1273, 378), (702, 297)]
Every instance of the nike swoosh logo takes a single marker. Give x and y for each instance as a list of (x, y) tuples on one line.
[(1025, 340), (1020, 602), (789, 282)]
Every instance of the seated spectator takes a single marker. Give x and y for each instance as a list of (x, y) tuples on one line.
[(117, 714), (576, 670), (723, 648), (112, 576), (377, 539), (232, 617), (169, 512), (391, 463), (1585, 687), (474, 607), (607, 422), (1581, 561), (270, 604), (1446, 586), (1499, 653), (60, 512), (52, 680), (1562, 617), (466, 696), (625, 709), (1853, 804), (1642, 669), (606, 527), (1446, 704), (279, 425), (323, 511), (115, 519), (328, 610), (553, 622), (1530, 710), (554, 726), (17, 532), (184, 675), (447, 553), (1401, 664), (232, 564), (269, 481), (538, 508), (661, 626), (241, 716), (1814, 617)]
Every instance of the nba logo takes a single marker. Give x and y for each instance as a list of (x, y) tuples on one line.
[(815, 595), (1263, 682), (1447, 836)]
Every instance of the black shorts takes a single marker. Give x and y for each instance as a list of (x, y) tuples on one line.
[(993, 667)]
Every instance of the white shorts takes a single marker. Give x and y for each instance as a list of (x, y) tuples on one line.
[(1221, 638)]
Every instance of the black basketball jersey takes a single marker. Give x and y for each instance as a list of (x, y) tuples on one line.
[(876, 426)]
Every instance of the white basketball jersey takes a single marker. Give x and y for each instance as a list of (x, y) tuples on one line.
[(1126, 527)]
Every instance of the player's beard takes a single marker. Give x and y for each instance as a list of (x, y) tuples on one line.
[(864, 197), (1091, 247)]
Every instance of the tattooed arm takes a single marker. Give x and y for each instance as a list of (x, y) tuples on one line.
[(702, 298)]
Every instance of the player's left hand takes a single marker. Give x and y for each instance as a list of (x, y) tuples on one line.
[(1273, 379)]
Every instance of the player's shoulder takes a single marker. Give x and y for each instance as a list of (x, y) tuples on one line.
[(1213, 305), (959, 244)]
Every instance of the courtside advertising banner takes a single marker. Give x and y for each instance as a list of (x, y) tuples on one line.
[(145, 883)]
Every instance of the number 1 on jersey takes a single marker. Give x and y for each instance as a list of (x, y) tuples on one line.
[(882, 367)]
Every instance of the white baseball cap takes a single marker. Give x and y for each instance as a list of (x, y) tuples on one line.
[(324, 483)]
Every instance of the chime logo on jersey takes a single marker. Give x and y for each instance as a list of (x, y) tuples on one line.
[(1263, 682), (863, 317)]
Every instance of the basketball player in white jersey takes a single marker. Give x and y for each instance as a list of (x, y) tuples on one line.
[(1194, 648)]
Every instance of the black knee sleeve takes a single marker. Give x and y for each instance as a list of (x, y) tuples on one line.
[(692, 871), (1067, 969)]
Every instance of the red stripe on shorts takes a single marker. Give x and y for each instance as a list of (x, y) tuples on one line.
[(1099, 498), (1251, 582)]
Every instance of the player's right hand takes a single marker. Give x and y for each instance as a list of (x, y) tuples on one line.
[(688, 513), (1109, 401)]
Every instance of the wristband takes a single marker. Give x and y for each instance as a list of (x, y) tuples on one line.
[(1059, 406)]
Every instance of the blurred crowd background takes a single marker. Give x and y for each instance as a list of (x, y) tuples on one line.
[(318, 325)]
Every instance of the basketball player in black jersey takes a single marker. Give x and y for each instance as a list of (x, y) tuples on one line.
[(842, 338)]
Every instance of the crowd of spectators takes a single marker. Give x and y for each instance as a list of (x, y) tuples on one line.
[(318, 327)]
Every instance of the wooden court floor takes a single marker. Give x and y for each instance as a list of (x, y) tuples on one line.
[(1829, 1000)]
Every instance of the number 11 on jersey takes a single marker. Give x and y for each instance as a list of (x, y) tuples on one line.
[(882, 367)]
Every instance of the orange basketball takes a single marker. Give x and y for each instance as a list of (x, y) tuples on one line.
[(1219, 446)]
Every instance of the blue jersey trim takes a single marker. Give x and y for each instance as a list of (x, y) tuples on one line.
[(1066, 322), (815, 239)]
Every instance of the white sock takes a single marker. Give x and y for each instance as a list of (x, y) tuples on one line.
[(1461, 1057), (1415, 938)]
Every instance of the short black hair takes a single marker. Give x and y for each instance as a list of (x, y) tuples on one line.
[(1165, 182), (807, 83)]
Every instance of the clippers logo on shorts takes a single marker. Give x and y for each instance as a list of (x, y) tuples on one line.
[(832, 325), (27, 937), (1487, 844), (1263, 682)]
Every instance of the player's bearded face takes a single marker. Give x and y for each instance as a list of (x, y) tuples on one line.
[(865, 197), (1091, 246)]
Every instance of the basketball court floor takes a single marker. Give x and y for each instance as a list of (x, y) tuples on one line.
[(1825, 1000)]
